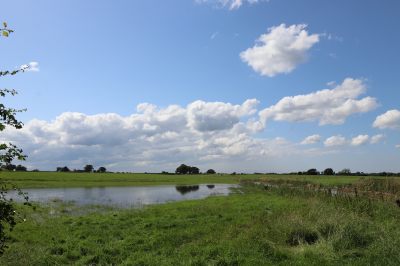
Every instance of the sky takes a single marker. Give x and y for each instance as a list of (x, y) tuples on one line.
[(233, 85)]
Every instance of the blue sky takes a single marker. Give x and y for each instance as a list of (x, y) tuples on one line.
[(100, 57)]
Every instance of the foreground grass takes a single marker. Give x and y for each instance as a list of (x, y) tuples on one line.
[(258, 227), (54, 179)]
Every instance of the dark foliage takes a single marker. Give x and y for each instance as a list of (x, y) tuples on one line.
[(329, 171), (211, 172), (184, 169)]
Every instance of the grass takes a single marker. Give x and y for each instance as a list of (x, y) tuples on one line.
[(273, 226), (54, 179)]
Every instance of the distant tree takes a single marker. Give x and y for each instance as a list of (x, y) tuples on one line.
[(211, 172), (88, 168), (329, 171), (9, 167), (345, 171), (193, 170), (183, 169), (21, 168), (312, 171), (101, 169), (63, 169), (35, 170)]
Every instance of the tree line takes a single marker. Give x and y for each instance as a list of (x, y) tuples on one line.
[(344, 172), (86, 169)]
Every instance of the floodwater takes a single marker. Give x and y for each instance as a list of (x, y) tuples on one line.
[(124, 196)]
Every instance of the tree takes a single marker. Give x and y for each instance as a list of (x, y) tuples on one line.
[(193, 170), (329, 171), (21, 168), (345, 171), (312, 171), (211, 172), (8, 152), (101, 169), (9, 166), (88, 168), (183, 169), (63, 169)]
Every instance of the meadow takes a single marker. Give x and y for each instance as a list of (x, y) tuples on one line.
[(57, 179), (279, 220)]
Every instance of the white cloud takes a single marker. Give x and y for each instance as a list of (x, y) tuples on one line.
[(230, 4), (152, 138), (216, 135), (31, 67), (335, 141), (211, 116), (377, 138), (390, 119), (398, 146), (360, 140), (280, 50), (329, 106), (311, 139)]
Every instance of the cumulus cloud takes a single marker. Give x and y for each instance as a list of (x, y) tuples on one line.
[(231, 4), (377, 138), (280, 50), (360, 140), (390, 119), (328, 106), (335, 141), (31, 67), (211, 116), (398, 146), (207, 134), (152, 138), (311, 139)]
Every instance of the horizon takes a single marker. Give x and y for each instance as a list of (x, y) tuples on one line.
[(235, 86)]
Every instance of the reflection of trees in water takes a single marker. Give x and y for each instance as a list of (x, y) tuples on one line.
[(186, 189), (211, 186)]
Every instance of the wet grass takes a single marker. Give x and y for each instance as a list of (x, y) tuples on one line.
[(261, 226)]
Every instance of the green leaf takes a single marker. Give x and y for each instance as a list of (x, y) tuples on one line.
[(5, 24), (5, 33)]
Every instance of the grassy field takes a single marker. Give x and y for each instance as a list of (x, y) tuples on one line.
[(277, 226), (54, 179)]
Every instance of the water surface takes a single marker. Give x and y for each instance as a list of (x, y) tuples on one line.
[(124, 196)]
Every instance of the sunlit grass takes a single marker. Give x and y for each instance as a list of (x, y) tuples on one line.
[(258, 227), (55, 179)]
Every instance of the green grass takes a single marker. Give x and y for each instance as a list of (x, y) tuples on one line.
[(258, 227), (54, 179)]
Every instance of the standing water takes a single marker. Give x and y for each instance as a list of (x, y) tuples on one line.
[(124, 196)]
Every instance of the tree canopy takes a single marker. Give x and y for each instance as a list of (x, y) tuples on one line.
[(184, 169), (8, 152)]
